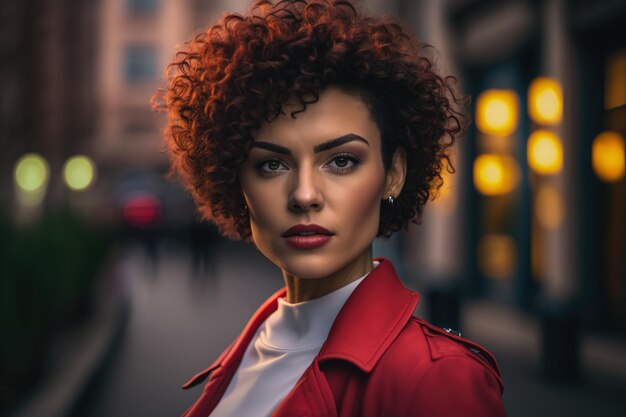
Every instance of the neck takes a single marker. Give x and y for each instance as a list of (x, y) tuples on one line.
[(299, 289)]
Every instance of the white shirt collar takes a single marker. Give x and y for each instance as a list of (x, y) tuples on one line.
[(297, 326)]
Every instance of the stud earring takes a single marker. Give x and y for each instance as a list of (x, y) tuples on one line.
[(390, 201)]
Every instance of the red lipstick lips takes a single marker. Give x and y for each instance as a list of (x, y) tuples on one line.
[(307, 236)]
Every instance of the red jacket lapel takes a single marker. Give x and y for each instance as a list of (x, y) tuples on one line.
[(371, 319)]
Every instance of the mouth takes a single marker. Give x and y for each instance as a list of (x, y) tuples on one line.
[(307, 230), (309, 236)]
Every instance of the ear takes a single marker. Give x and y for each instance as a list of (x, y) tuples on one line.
[(394, 179)]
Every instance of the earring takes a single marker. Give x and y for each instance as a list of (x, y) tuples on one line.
[(390, 201), (244, 210)]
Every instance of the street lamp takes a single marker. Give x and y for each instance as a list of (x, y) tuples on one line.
[(31, 175), (79, 172)]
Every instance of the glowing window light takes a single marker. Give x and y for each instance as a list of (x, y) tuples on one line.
[(545, 153), (549, 207), (496, 112), (31, 172), (615, 80), (607, 156), (495, 174), (497, 256), (79, 172), (545, 101)]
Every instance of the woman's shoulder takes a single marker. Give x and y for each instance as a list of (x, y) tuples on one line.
[(432, 371), (446, 344), (424, 351)]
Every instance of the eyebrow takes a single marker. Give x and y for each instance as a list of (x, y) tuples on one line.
[(333, 143)]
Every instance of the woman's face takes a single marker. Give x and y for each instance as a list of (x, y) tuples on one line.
[(322, 168)]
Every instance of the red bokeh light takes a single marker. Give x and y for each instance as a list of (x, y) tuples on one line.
[(142, 210)]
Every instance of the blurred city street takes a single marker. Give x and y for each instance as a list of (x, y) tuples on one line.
[(179, 322), (115, 289), (181, 319)]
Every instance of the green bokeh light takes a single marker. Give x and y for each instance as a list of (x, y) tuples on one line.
[(31, 172), (79, 172)]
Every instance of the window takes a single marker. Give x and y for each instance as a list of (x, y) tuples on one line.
[(141, 6), (140, 63)]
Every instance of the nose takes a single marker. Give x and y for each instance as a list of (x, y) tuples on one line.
[(305, 194)]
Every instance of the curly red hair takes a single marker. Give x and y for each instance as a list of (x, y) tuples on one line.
[(227, 81)]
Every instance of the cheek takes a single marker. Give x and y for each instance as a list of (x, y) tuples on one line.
[(260, 205), (370, 208), (263, 204), (361, 203), (263, 209), (257, 206)]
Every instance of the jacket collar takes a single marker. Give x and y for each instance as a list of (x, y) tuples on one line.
[(369, 321)]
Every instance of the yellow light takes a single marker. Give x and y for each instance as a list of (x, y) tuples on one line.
[(31, 172), (549, 207), (495, 174), (545, 101), (446, 201), (607, 156), (545, 154), (496, 112), (447, 185), (79, 172), (615, 80), (497, 256)]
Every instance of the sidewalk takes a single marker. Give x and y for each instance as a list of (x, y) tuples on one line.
[(507, 329), (515, 340), (78, 354)]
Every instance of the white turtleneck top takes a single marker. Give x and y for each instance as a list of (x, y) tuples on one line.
[(281, 350)]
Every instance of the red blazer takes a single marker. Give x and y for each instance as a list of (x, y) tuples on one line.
[(378, 360)]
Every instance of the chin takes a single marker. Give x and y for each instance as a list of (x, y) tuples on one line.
[(310, 265)]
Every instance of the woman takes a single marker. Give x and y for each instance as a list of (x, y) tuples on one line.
[(309, 131)]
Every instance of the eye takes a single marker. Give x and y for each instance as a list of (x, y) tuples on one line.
[(344, 162), (269, 166)]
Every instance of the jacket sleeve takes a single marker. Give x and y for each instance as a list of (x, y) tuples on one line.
[(457, 386)]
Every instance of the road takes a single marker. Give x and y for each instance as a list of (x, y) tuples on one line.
[(179, 322)]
